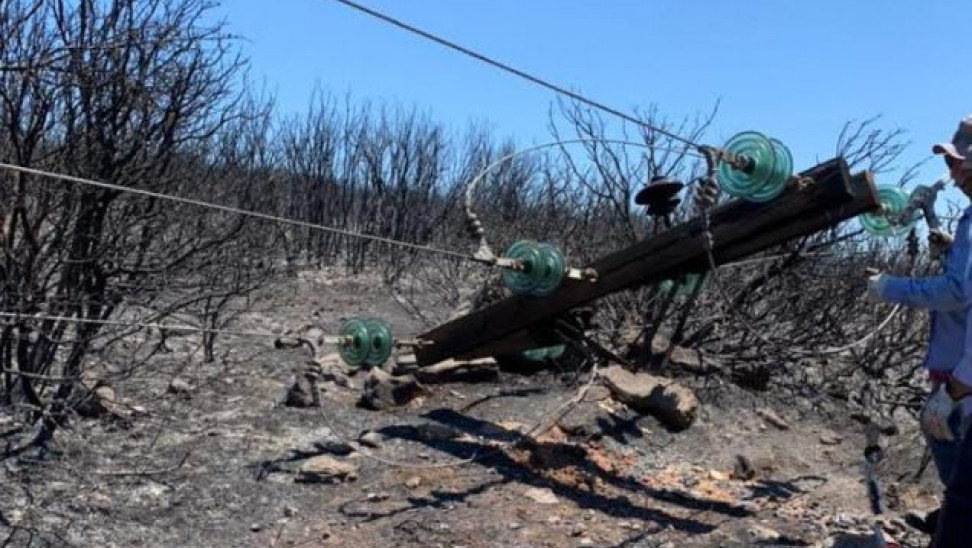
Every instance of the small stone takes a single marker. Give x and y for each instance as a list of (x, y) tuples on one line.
[(761, 464), (323, 468), (597, 392), (542, 495), (586, 541), (371, 439), (718, 476), (256, 527), (773, 418), (763, 534), (98, 500), (384, 391), (335, 447), (831, 438), (514, 526), (100, 400), (553, 520), (578, 530), (179, 385), (583, 421), (413, 482), (675, 405), (289, 511)]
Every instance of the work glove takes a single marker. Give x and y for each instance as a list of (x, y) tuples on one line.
[(935, 414), (939, 242), (875, 288)]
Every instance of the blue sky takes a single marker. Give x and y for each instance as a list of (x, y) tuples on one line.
[(793, 70)]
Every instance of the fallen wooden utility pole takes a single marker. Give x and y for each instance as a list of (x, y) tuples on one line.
[(738, 229)]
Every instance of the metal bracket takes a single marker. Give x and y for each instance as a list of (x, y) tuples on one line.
[(802, 184), (583, 274), (413, 343), (506, 262)]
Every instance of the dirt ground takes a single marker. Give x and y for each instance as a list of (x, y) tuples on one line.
[(219, 461)]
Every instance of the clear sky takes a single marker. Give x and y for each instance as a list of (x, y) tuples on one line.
[(793, 70)]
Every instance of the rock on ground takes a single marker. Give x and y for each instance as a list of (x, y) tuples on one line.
[(673, 404)]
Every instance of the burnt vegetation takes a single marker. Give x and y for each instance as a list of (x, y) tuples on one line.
[(152, 95)]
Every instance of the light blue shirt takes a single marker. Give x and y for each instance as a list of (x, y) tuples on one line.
[(948, 297)]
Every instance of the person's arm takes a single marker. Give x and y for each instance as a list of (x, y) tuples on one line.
[(951, 290)]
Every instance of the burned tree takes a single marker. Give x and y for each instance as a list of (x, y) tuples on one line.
[(127, 92)]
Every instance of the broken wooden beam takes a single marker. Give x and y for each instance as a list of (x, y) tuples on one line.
[(738, 229)]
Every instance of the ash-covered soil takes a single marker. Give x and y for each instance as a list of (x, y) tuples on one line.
[(196, 454)]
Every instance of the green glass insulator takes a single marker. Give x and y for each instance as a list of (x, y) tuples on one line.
[(525, 280), (782, 171), (758, 150), (693, 283), (551, 272), (683, 288), (381, 342), (888, 222), (556, 351), (543, 353), (355, 341), (771, 166), (666, 286), (535, 354)]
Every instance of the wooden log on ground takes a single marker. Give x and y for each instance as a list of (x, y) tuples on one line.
[(738, 229)]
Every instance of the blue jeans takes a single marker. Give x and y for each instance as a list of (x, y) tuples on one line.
[(946, 453), (955, 523)]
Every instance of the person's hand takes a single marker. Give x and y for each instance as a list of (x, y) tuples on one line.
[(935, 414), (939, 242), (875, 288)]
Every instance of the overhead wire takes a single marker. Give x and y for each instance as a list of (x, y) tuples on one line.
[(512, 70), (274, 218), (230, 209), (135, 324), (315, 226)]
